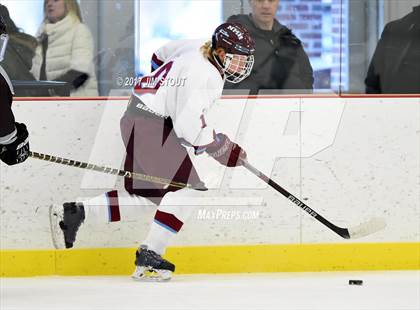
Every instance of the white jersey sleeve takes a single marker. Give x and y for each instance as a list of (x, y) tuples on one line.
[(194, 101), (203, 85)]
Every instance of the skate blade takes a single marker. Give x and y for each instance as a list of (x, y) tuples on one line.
[(148, 274), (57, 235)]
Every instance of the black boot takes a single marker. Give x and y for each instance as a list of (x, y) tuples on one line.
[(150, 266), (73, 217)]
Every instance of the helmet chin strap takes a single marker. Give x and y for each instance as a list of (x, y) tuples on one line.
[(218, 61)]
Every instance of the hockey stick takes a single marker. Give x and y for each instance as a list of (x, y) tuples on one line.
[(122, 173), (362, 230)]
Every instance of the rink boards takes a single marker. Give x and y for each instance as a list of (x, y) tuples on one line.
[(217, 259), (348, 158)]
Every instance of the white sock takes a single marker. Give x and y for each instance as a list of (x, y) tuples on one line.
[(130, 207), (176, 204), (96, 209), (158, 238)]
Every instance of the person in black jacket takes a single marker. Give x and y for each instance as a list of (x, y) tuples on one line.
[(14, 143), (280, 60), (395, 66)]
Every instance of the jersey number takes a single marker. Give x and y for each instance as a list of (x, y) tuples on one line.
[(149, 84)]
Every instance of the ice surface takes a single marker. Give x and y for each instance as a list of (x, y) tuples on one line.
[(380, 290)]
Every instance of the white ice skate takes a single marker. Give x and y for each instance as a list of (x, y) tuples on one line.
[(57, 235), (148, 274), (65, 222)]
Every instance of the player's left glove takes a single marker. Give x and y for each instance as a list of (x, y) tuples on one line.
[(17, 151), (225, 151)]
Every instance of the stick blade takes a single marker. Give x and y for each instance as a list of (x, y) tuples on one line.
[(372, 226)]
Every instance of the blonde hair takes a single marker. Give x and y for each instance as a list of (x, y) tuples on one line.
[(207, 50), (72, 8)]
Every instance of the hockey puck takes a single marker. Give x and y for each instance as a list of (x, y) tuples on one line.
[(355, 282)]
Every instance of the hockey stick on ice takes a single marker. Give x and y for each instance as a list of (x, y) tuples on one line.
[(362, 230), (103, 169)]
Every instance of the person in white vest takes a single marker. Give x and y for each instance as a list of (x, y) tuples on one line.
[(65, 50)]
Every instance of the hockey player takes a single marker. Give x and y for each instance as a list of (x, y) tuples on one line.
[(14, 143), (167, 111)]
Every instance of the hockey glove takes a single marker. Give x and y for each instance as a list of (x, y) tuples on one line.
[(226, 152), (17, 151)]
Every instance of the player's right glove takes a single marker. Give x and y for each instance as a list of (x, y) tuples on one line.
[(17, 151), (225, 151)]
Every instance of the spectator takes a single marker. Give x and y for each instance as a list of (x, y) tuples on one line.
[(65, 52), (20, 50), (280, 61), (395, 66)]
